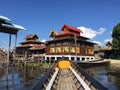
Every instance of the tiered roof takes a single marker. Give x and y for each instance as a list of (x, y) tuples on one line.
[(68, 31), (32, 42), (31, 37)]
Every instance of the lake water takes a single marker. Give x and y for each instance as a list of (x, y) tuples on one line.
[(20, 77), (25, 78), (106, 74)]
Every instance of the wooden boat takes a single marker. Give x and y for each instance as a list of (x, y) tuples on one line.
[(65, 75)]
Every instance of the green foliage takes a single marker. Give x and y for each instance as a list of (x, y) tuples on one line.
[(116, 37), (33, 64)]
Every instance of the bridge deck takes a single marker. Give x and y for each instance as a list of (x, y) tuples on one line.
[(65, 81)]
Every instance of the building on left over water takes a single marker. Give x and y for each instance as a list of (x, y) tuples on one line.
[(31, 49), (8, 27)]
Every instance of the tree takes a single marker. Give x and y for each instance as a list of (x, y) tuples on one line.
[(116, 37)]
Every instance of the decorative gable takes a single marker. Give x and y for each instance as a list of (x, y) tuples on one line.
[(31, 37), (54, 33), (71, 30)]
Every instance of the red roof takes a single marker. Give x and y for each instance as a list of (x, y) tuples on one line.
[(53, 32), (68, 32), (30, 36), (71, 28)]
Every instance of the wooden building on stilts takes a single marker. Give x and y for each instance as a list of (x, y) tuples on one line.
[(70, 45), (6, 26), (31, 49)]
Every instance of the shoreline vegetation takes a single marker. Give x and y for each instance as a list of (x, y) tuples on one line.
[(43, 65), (114, 64)]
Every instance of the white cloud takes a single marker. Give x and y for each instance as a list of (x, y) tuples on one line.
[(90, 33), (111, 32), (99, 43), (106, 40), (101, 31), (87, 32), (43, 40)]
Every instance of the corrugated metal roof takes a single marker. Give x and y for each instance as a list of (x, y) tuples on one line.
[(6, 26), (4, 18)]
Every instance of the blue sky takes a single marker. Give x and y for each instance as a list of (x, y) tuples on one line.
[(96, 17)]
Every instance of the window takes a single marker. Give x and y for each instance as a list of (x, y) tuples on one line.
[(72, 58), (58, 49), (78, 49), (52, 50), (73, 49), (78, 59), (83, 59), (88, 58), (65, 49), (89, 51)]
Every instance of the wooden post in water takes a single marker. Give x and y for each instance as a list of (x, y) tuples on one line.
[(6, 77), (15, 49), (8, 53), (13, 78)]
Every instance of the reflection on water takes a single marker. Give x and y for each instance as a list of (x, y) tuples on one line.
[(25, 78), (106, 75), (20, 77)]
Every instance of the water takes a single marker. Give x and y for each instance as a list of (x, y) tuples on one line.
[(25, 78), (20, 78), (106, 75)]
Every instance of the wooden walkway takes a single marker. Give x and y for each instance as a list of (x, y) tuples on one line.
[(65, 81)]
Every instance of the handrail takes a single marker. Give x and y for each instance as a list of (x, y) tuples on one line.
[(85, 86), (45, 78), (52, 79), (94, 82)]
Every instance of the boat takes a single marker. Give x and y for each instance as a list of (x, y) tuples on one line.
[(66, 75)]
